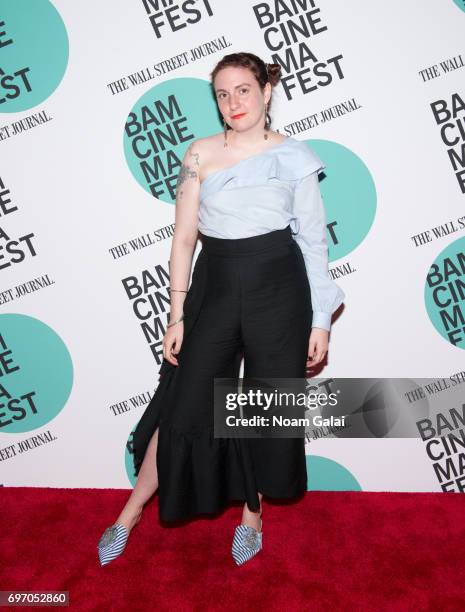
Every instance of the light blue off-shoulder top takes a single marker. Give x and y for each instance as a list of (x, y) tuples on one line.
[(269, 191)]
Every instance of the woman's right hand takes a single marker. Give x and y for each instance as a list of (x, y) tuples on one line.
[(172, 342)]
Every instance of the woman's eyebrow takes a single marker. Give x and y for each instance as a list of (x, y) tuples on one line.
[(241, 84)]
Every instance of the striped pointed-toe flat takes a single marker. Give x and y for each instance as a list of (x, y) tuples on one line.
[(247, 542), (112, 543)]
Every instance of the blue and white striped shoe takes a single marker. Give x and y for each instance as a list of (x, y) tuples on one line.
[(112, 543), (247, 542)]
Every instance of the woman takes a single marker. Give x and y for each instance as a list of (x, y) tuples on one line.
[(260, 290)]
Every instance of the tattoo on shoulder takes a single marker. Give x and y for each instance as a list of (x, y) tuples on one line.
[(189, 169)]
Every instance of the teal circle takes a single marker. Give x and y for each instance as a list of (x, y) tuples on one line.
[(349, 196), (460, 4), (327, 475), (445, 282), (160, 127), (39, 53), (34, 362), (129, 458)]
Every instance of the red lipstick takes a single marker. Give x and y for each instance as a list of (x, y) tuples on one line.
[(237, 116)]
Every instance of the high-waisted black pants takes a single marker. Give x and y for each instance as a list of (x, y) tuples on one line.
[(249, 298)]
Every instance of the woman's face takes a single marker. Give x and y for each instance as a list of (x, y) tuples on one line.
[(239, 97)]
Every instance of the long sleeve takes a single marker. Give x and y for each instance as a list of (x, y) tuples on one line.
[(310, 216)]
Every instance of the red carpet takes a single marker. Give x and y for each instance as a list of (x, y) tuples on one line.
[(331, 551)]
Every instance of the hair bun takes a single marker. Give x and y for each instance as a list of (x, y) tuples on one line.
[(274, 73)]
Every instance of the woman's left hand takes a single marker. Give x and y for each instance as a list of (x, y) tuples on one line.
[(317, 345)]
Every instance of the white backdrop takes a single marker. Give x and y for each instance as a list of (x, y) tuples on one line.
[(75, 191)]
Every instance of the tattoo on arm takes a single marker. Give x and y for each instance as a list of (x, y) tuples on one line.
[(187, 171)]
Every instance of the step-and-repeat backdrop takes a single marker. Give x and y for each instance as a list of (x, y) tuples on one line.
[(88, 93)]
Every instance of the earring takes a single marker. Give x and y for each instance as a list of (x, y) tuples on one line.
[(267, 122), (225, 127)]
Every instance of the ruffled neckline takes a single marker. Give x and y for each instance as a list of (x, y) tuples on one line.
[(241, 161), (289, 159)]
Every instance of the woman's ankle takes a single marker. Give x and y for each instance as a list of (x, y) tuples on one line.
[(251, 519), (130, 516)]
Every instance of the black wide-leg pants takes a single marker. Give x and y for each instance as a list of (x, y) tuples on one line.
[(249, 298)]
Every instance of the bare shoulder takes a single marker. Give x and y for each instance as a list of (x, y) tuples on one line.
[(204, 152), (204, 146)]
